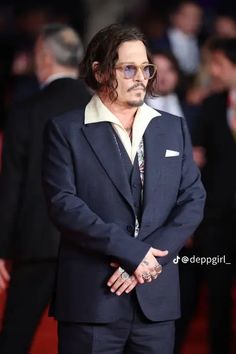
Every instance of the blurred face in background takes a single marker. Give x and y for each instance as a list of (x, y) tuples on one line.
[(225, 27), (222, 69), (167, 75), (188, 19), (42, 60), (39, 60)]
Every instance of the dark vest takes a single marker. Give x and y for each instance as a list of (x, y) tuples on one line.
[(133, 175)]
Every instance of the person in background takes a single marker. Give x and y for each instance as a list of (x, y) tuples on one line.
[(170, 96), (124, 192), (204, 84), (181, 37), (215, 152), (225, 25), (168, 80), (102, 13), (27, 236)]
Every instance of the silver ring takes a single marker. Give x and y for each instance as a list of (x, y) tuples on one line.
[(146, 276), (125, 275), (121, 270), (158, 268)]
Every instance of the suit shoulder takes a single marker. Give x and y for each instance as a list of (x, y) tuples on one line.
[(171, 126), (167, 115), (69, 118), (170, 119)]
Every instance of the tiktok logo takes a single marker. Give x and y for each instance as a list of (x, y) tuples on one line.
[(176, 260)]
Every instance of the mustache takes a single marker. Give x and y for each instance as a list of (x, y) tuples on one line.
[(137, 85)]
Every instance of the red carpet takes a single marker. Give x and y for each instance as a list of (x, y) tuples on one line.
[(45, 341)]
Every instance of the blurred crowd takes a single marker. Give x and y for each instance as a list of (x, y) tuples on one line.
[(183, 33), (193, 44)]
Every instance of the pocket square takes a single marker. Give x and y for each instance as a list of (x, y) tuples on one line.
[(171, 153)]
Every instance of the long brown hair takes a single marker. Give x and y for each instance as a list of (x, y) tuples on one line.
[(103, 49)]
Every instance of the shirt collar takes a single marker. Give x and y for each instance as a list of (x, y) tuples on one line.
[(96, 112), (177, 33)]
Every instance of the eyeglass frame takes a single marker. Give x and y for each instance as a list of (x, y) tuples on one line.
[(122, 65)]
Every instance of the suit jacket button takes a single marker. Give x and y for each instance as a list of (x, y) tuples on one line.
[(130, 229)]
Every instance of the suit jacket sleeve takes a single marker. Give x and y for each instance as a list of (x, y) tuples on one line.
[(71, 214), (12, 176), (188, 211)]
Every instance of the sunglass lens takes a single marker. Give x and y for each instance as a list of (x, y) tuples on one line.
[(148, 71), (130, 71)]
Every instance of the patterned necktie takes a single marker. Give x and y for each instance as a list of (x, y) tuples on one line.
[(140, 154)]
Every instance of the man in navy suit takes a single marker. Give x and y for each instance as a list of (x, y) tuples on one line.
[(124, 192)]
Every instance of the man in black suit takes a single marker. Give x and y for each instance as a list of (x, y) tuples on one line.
[(125, 193), (215, 151), (27, 236)]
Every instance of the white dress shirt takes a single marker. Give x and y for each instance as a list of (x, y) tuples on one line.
[(185, 49)]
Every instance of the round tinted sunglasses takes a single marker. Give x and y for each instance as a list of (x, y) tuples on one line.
[(130, 70)]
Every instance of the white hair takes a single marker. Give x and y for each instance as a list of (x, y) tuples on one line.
[(64, 44)]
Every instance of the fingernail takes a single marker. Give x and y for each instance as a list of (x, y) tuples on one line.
[(112, 290), (118, 293), (109, 284)]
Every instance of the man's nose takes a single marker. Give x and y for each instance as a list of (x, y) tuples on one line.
[(139, 76)]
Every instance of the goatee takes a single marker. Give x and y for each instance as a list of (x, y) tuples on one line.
[(136, 103)]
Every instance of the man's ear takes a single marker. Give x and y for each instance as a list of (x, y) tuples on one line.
[(96, 71)]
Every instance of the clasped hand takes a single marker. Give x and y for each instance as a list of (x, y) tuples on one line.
[(147, 271)]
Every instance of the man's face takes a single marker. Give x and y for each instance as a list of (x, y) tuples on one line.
[(167, 77), (131, 92), (222, 69), (225, 27)]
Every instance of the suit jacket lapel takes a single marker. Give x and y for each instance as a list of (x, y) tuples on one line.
[(104, 145), (154, 145)]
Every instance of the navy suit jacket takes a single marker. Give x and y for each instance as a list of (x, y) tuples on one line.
[(90, 201)]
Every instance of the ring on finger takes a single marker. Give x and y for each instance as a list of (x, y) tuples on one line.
[(154, 276), (125, 276), (158, 268), (146, 276), (121, 270)]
